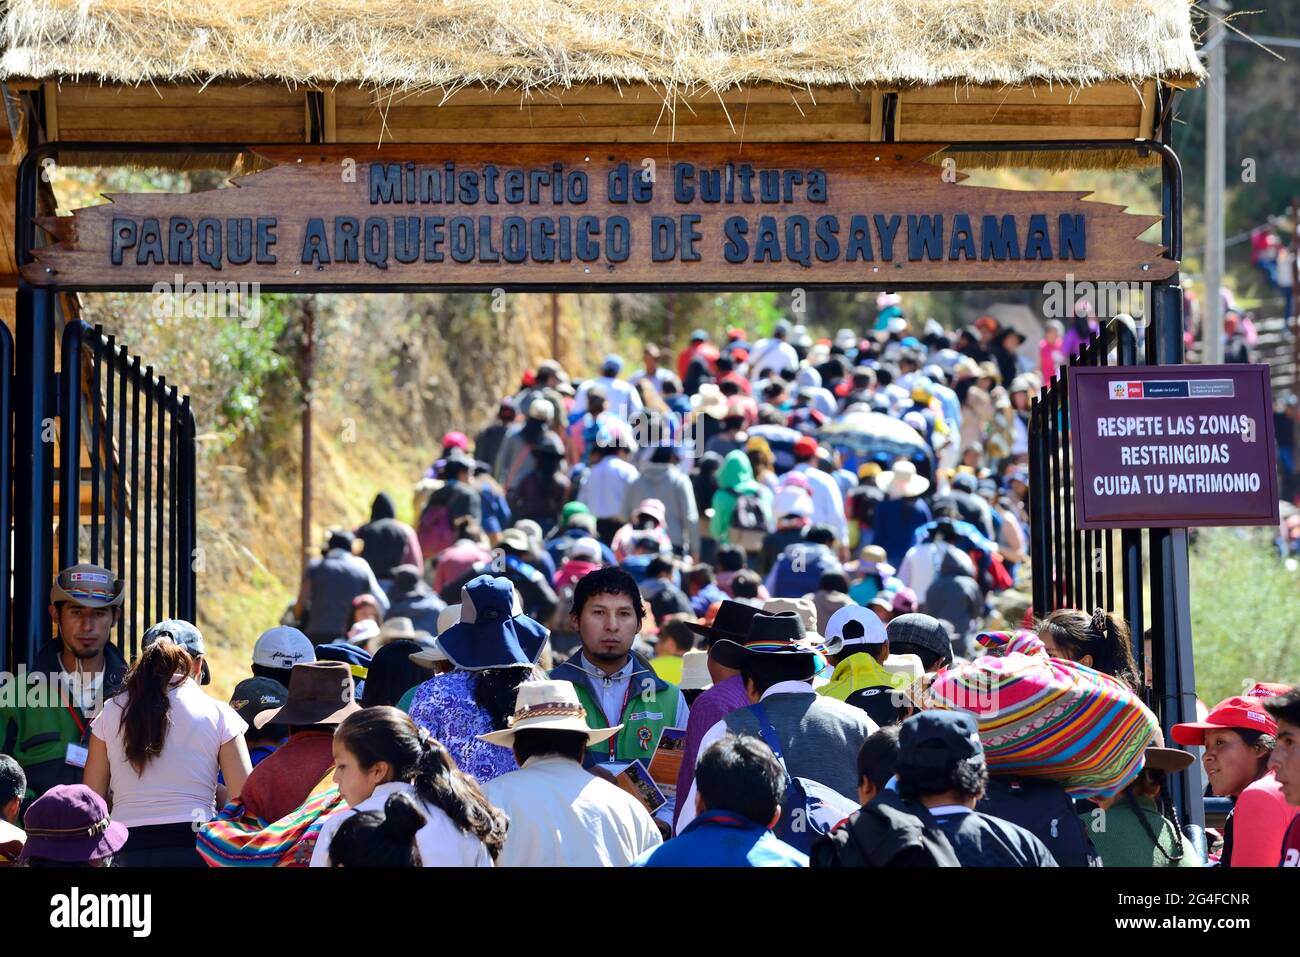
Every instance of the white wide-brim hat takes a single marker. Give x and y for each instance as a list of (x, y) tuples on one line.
[(902, 480), (695, 672), (548, 706), (710, 401)]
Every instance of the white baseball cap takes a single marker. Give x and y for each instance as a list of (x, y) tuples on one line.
[(283, 647), (853, 625)]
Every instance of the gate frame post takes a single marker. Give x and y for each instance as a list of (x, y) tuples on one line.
[(33, 466)]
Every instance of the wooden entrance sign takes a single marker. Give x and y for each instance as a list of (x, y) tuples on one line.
[(549, 215)]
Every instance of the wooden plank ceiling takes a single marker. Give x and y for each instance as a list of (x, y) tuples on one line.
[(267, 113)]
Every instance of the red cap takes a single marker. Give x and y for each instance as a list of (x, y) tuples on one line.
[(529, 377), (805, 445), (1267, 689), (455, 440), (1246, 714)]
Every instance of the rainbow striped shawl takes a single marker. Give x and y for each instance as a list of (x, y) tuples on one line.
[(235, 838), (1046, 717)]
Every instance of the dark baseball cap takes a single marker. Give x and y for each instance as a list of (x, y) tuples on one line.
[(252, 696), (183, 634), (936, 740)]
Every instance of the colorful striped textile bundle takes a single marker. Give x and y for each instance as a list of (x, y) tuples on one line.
[(235, 838), (1046, 717)]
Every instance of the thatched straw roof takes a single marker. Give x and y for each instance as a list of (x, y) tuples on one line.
[(682, 46)]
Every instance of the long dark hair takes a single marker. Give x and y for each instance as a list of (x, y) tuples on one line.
[(144, 714), (1103, 634), (392, 673), (387, 734), (495, 691), (380, 839), (1148, 781)]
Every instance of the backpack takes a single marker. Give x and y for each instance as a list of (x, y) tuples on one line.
[(435, 531), (810, 809), (1044, 809), (888, 832), (748, 522)]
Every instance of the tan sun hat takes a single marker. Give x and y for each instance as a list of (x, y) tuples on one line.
[(803, 607), (902, 481), (710, 401), (91, 586), (548, 706)]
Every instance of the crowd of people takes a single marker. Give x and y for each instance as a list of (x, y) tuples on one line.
[(742, 607)]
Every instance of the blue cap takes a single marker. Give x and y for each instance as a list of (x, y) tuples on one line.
[(354, 656), (612, 362)]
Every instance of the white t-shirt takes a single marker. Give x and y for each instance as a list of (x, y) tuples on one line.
[(179, 784), (441, 843)]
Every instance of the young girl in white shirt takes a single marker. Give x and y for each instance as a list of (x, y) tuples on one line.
[(379, 752)]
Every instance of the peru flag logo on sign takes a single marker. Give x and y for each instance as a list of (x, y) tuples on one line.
[(1135, 390)]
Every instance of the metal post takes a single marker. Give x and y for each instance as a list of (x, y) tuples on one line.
[(6, 497), (1215, 134), (33, 469), (1178, 688), (1037, 513), (186, 546), (306, 367), (1131, 538), (70, 444)]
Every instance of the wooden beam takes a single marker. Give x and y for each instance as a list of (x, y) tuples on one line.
[(331, 129), (1146, 124), (51, 110)]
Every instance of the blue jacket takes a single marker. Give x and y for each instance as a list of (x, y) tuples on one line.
[(723, 839), (792, 579), (496, 512)]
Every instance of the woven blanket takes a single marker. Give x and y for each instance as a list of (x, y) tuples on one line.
[(1046, 717), (235, 838)]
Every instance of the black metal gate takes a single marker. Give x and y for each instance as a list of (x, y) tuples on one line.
[(138, 433), (1141, 573)]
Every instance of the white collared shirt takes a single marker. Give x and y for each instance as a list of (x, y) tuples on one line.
[(719, 731), (612, 691)]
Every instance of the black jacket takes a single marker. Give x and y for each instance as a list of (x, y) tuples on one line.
[(888, 832)]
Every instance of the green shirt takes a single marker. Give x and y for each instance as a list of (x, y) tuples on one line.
[(1122, 841)]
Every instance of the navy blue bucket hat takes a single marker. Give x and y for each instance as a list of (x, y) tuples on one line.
[(493, 631)]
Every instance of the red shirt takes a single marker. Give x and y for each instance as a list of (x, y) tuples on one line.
[(284, 780), (1260, 818), (1291, 845)]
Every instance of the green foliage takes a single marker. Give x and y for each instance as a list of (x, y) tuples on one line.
[(245, 358), (1245, 612)]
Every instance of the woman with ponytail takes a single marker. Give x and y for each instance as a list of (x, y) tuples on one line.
[(155, 749), (380, 752), (1099, 641)]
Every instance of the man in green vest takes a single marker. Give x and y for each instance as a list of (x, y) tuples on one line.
[(45, 715), (614, 685)]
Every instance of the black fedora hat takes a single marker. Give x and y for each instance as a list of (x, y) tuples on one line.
[(779, 634), (731, 620)]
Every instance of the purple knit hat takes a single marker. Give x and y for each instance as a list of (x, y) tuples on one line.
[(70, 823)]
